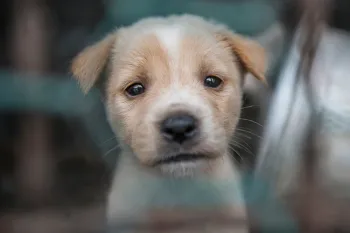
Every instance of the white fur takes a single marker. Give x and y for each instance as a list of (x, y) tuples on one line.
[(170, 38)]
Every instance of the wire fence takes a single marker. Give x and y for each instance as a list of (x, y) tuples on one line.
[(58, 153)]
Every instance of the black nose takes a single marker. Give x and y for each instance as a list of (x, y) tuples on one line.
[(179, 128)]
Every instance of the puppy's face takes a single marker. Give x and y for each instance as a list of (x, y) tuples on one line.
[(173, 94)]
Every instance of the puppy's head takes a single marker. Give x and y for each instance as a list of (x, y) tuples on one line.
[(174, 88)]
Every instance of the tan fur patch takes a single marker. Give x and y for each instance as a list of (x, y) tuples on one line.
[(88, 65), (250, 54), (144, 62)]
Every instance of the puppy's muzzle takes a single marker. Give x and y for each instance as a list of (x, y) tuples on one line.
[(179, 128)]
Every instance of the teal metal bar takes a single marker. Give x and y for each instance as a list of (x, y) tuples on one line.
[(60, 96)]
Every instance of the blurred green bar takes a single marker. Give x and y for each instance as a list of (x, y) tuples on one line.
[(59, 96)]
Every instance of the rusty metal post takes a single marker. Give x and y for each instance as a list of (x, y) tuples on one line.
[(30, 55)]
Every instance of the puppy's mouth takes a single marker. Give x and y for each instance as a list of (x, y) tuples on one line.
[(181, 158)]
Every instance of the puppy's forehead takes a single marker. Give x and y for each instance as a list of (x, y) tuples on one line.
[(169, 32), (170, 39), (187, 48), (171, 51)]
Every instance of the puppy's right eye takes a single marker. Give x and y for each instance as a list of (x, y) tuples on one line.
[(212, 81), (135, 89)]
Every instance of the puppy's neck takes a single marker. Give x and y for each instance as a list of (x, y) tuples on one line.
[(133, 179)]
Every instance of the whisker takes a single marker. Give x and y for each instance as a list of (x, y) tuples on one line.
[(246, 149), (245, 143), (111, 150), (242, 134), (252, 121), (247, 131), (109, 139), (250, 106), (236, 139), (238, 154)]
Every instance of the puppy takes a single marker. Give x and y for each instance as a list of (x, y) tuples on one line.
[(173, 98)]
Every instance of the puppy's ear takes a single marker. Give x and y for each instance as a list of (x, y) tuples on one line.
[(250, 54), (88, 65)]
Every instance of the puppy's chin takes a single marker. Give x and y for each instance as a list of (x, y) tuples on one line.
[(185, 165), (185, 169)]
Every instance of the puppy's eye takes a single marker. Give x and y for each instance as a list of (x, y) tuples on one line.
[(212, 81), (135, 89)]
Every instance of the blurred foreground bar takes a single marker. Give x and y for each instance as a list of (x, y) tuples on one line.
[(282, 155), (279, 161)]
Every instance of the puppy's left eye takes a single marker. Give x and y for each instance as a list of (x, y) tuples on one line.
[(212, 81), (135, 89)]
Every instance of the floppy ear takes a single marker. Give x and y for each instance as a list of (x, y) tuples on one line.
[(250, 54), (88, 65)]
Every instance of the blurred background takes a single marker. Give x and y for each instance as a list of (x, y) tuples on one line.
[(57, 152)]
